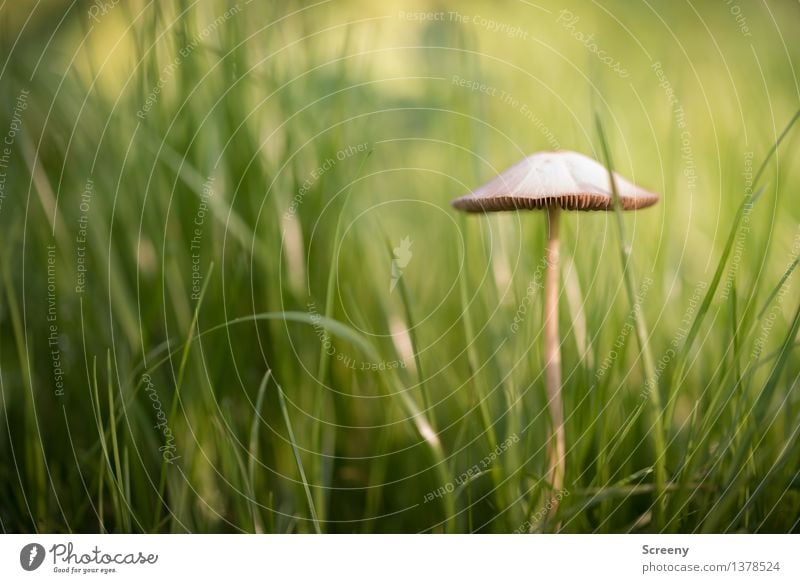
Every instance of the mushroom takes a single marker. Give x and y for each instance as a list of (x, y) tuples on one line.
[(552, 181)]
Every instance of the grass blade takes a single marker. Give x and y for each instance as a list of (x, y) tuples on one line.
[(296, 452), (642, 335)]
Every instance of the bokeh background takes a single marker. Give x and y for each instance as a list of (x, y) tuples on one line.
[(235, 297)]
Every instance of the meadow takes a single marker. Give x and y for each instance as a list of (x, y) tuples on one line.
[(235, 296)]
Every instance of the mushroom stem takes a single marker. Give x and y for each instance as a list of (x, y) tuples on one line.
[(552, 356)]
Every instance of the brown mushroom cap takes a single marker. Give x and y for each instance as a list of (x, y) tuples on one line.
[(563, 179)]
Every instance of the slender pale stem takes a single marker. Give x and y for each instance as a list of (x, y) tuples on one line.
[(552, 356)]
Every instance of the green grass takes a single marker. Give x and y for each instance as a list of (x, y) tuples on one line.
[(284, 159)]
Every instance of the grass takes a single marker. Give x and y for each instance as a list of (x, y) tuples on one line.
[(642, 336), (239, 242)]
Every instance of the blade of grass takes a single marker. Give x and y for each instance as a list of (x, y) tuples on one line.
[(324, 358), (642, 335), (33, 454), (689, 462), (747, 203), (115, 442), (759, 411), (296, 452), (789, 449), (178, 383), (426, 401), (472, 355), (107, 467), (252, 449)]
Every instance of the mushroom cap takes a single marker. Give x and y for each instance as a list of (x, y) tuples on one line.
[(563, 179)]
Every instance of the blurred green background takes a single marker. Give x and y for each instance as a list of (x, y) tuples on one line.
[(209, 321)]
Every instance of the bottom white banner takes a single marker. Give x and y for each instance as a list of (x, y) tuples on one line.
[(355, 558)]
